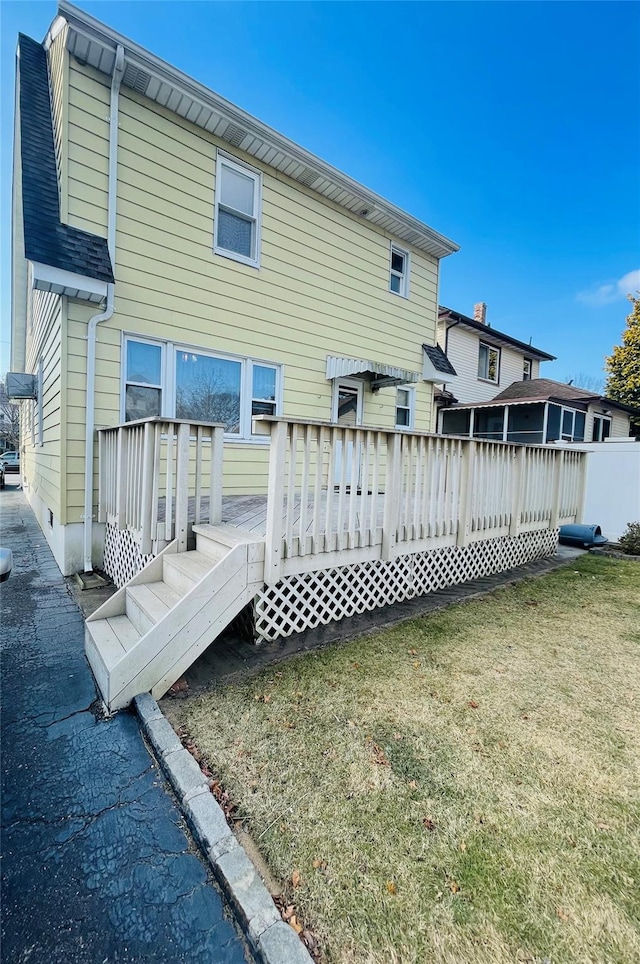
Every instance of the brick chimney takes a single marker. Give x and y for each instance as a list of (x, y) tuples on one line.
[(480, 313)]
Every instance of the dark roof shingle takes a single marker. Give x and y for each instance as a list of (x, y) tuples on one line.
[(545, 388), (46, 239), (439, 360)]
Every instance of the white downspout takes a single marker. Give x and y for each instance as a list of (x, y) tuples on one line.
[(116, 79)]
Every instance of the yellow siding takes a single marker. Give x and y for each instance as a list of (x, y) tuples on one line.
[(322, 287), (58, 78), (41, 463), (88, 147)]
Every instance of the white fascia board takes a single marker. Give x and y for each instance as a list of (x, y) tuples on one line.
[(203, 96), (46, 276), (432, 374)]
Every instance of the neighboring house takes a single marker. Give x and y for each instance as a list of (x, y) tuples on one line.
[(538, 411), (485, 360), (185, 260)]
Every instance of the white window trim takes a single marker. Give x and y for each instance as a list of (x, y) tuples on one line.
[(404, 279), (496, 380), (227, 160), (167, 387), (527, 376), (602, 419), (574, 412), (164, 393), (411, 389)]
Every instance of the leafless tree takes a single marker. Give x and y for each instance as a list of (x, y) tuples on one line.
[(590, 383), (9, 421), (208, 399)]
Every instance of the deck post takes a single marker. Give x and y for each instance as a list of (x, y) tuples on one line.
[(465, 506), (558, 470), (122, 450), (516, 491), (275, 503), (182, 487), (146, 501), (102, 476), (215, 479), (392, 494)]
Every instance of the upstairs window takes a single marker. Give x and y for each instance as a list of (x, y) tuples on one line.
[(526, 370), (237, 211), (489, 363), (405, 407), (399, 272), (601, 428)]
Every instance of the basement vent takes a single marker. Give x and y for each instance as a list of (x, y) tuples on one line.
[(235, 135), (136, 79), (308, 177)]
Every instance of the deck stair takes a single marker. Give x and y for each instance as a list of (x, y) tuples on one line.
[(148, 633)]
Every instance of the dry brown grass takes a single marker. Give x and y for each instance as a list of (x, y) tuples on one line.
[(463, 788)]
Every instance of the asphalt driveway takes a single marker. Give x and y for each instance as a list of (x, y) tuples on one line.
[(97, 865)]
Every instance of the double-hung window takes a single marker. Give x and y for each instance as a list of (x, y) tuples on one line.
[(238, 202), (144, 364), (526, 369), (180, 381), (489, 363), (405, 407), (399, 271)]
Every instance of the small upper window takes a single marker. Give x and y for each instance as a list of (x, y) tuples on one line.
[(526, 370), (405, 407), (237, 211), (489, 363), (399, 271)]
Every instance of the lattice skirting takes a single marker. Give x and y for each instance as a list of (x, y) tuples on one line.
[(317, 598), (122, 556)]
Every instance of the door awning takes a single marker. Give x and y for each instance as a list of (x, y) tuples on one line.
[(379, 374)]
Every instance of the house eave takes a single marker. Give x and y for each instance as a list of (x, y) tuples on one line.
[(491, 335), (94, 43), (45, 277)]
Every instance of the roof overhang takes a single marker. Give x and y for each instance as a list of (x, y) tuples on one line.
[(60, 282), (436, 367), (379, 374), (454, 319), (93, 43)]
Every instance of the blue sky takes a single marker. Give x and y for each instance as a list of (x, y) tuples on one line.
[(512, 128)]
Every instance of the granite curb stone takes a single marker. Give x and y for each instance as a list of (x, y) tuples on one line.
[(272, 938)]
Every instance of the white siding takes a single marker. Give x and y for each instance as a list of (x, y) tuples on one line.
[(463, 347)]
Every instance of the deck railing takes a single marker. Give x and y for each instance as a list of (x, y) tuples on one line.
[(337, 489), (159, 476)]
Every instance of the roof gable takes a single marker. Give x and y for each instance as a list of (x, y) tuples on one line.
[(46, 239), (92, 42)]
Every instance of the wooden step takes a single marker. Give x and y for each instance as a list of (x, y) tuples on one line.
[(184, 569), (148, 604), (227, 535)]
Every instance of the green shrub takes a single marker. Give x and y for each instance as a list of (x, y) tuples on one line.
[(630, 539)]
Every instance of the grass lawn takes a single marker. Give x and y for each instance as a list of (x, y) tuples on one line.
[(462, 788)]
